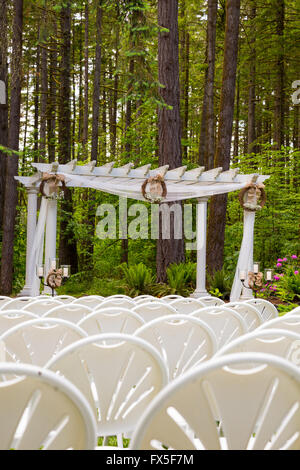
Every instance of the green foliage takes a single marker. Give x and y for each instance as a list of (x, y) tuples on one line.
[(181, 280), (220, 284), (138, 279)]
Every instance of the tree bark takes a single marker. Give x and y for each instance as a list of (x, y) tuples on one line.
[(96, 89), (218, 204), (279, 108), (252, 80), (67, 247), (4, 101), (169, 125), (44, 84), (52, 100), (86, 81), (11, 193)]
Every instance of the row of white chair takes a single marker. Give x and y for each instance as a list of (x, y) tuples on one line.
[(236, 401), (173, 367)]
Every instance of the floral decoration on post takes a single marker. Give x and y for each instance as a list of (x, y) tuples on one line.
[(252, 197), (157, 189), (52, 186)]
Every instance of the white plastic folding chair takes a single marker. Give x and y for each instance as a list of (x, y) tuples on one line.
[(4, 300), (117, 302), (210, 301), (71, 312), (118, 296), (287, 322), (141, 297), (92, 301), (111, 320), (41, 306), (295, 311), (118, 374), (171, 297), (17, 303), (37, 341), (282, 343), (251, 314), (186, 305), (183, 341), (146, 299), (226, 323), (64, 298), (10, 318), (259, 407), (42, 411), (151, 310), (266, 308)]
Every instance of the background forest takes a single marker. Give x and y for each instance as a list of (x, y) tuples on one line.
[(89, 77)]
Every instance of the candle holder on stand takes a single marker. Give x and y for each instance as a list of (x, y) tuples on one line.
[(255, 278), (55, 276)]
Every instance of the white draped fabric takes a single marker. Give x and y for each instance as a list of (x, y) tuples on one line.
[(36, 256), (245, 261), (131, 188)]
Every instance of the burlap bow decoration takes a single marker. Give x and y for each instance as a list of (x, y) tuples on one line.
[(252, 197), (54, 184), (157, 190)]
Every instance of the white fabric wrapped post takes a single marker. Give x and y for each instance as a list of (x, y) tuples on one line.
[(245, 261), (31, 227)]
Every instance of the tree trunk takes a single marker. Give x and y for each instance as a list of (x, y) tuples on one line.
[(169, 126), (209, 85), (37, 100), (44, 84), (251, 88), (52, 100), (3, 101), (237, 121), (96, 89), (218, 204), (67, 247), (280, 75), (86, 81), (11, 193)]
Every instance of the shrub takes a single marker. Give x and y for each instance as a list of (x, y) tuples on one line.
[(138, 279)]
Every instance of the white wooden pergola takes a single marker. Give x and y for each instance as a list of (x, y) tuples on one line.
[(126, 181)]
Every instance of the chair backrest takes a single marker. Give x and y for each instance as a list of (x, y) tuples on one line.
[(118, 374), (17, 303), (36, 341), (147, 299), (266, 308), (287, 322), (141, 297), (171, 297), (3, 300), (40, 410), (152, 310), (186, 305), (282, 343), (71, 312), (226, 323), (258, 407), (250, 314), (41, 306), (92, 301), (111, 320), (117, 302), (183, 341), (10, 318), (210, 301), (295, 311), (64, 298)]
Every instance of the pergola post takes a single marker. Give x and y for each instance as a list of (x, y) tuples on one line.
[(201, 248), (245, 261), (31, 227), (50, 238)]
